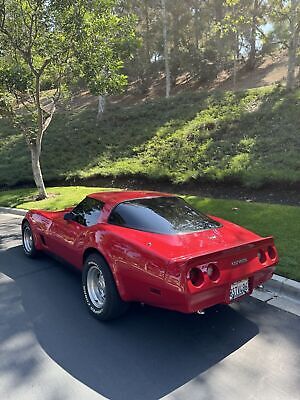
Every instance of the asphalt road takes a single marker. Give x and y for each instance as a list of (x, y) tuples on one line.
[(52, 349)]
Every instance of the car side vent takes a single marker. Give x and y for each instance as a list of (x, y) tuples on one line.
[(43, 239)]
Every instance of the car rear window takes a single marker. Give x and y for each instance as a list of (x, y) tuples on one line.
[(165, 215)]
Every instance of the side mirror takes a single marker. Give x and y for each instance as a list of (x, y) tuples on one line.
[(69, 216)]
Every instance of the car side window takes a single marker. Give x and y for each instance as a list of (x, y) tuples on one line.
[(116, 219), (88, 211)]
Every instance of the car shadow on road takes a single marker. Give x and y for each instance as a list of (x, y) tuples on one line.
[(146, 354)]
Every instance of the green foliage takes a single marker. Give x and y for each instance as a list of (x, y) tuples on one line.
[(105, 42), (15, 77), (43, 44), (57, 39), (283, 222)]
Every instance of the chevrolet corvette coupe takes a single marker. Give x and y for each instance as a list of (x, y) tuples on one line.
[(153, 248)]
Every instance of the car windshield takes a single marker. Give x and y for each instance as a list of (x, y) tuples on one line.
[(165, 215)]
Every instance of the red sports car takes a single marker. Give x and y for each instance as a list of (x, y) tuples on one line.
[(150, 247)]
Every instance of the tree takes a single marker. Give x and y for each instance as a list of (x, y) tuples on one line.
[(144, 66), (257, 18), (47, 38), (240, 26), (231, 28), (294, 30), (285, 16)]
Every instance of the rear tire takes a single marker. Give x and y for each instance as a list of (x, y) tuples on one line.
[(28, 241), (100, 292)]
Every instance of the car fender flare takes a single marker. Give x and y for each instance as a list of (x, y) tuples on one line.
[(37, 239), (91, 250)]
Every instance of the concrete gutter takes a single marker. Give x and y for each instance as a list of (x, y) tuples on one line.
[(281, 286), (281, 292)]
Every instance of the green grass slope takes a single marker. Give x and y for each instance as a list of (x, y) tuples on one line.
[(251, 137)]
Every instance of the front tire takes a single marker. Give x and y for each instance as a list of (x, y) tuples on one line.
[(28, 241), (100, 292)]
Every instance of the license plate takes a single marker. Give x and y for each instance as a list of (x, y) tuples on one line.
[(238, 289)]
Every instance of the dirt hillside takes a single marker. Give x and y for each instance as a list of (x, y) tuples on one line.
[(270, 70)]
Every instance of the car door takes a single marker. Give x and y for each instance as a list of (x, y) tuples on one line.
[(69, 237)]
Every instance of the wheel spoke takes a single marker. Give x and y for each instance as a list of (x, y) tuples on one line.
[(96, 286), (27, 239)]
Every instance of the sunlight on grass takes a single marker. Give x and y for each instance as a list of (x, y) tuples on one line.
[(59, 197)]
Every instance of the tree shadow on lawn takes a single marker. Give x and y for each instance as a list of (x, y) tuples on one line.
[(243, 140), (77, 143), (264, 141), (250, 138), (144, 355)]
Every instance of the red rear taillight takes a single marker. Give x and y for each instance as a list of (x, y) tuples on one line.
[(213, 272), (272, 252), (196, 277), (262, 256)]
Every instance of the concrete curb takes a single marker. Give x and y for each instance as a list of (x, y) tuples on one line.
[(282, 293), (283, 287), (16, 211)]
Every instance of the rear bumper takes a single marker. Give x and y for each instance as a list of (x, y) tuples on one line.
[(219, 294)]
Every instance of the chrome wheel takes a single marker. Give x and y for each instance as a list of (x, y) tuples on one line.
[(27, 239), (96, 286)]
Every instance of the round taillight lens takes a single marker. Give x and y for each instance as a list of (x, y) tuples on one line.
[(196, 276), (271, 252), (261, 256), (213, 272)]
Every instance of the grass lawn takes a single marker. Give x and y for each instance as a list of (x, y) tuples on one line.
[(283, 222)]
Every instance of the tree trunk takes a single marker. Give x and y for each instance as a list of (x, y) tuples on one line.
[(235, 59), (293, 47), (166, 49), (174, 53), (291, 78), (219, 10), (36, 170), (234, 71), (36, 145), (252, 54), (292, 61), (221, 48), (101, 107), (298, 76), (147, 36), (196, 24)]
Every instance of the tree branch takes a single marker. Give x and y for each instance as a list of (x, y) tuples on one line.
[(49, 112)]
